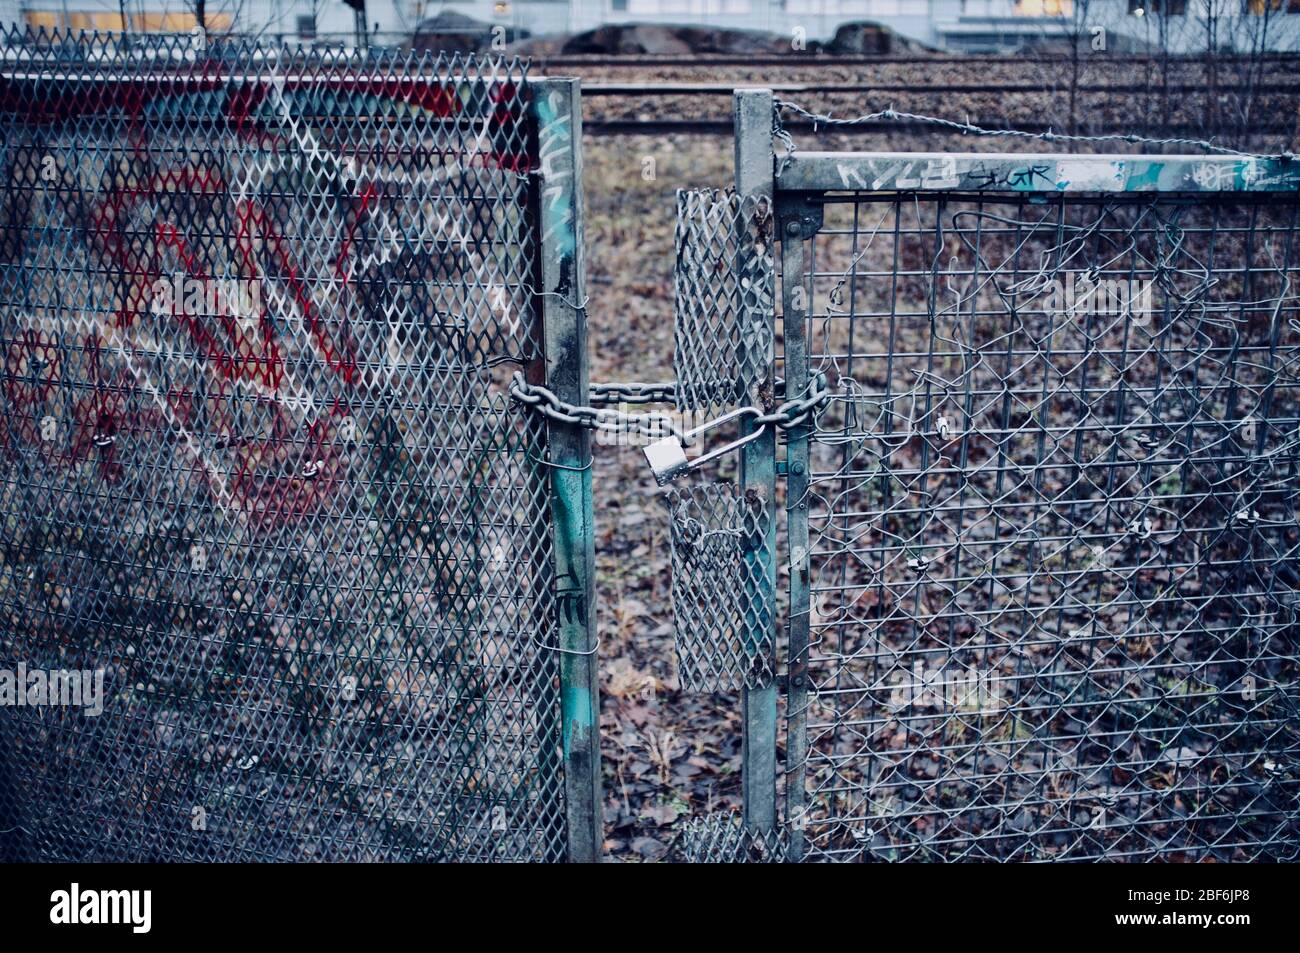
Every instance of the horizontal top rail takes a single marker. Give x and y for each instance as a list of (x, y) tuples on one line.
[(266, 71), (1032, 172)]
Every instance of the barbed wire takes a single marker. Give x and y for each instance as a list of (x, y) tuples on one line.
[(966, 128)]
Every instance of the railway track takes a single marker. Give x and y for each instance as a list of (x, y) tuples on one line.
[(726, 89), (805, 60), (596, 126), (645, 105)]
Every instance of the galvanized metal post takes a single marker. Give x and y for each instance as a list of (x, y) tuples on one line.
[(754, 166), (794, 310), (557, 110)]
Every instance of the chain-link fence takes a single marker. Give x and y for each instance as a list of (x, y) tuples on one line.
[(1051, 513), (276, 573), (295, 478)]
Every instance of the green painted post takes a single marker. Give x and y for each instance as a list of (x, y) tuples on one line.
[(557, 109), (754, 167)]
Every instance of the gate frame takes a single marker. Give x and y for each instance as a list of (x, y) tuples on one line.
[(797, 179), (754, 179)]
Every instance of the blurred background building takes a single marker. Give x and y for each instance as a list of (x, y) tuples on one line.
[(954, 25)]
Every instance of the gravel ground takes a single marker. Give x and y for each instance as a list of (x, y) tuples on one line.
[(666, 753)]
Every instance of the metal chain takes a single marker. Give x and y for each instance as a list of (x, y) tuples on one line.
[(545, 402), (634, 392), (780, 132), (791, 413), (799, 410)]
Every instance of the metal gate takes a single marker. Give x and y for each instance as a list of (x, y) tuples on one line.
[(268, 505), (1043, 541), (1040, 534)]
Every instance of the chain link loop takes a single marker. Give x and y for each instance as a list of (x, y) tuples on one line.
[(653, 426), (635, 392), (799, 410)]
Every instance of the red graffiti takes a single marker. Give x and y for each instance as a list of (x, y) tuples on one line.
[(31, 375), (271, 453), (275, 469)]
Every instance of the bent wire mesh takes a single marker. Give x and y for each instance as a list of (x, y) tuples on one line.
[(713, 529), (1052, 521), (259, 466), (722, 280), (723, 838)]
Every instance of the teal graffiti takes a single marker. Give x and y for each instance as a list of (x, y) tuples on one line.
[(556, 166)]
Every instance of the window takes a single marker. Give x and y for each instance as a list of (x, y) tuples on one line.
[(618, 6), (1044, 8), (1147, 8), (37, 19), (307, 27), (1259, 7)]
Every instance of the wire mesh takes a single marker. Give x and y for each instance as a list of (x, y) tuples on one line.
[(723, 838), (1053, 529), (719, 537), (259, 468), (722, 338)]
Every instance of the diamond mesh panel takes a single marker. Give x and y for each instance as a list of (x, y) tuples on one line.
[(723, 839), (1053, 529), (722, 336), (258, 465), (718, 540)]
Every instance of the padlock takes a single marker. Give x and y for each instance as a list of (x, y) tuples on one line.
[(667, 457)]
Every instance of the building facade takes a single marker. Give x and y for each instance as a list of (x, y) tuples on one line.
[(288, 19), (956, 25)]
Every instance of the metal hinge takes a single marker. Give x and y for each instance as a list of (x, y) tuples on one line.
[(799, 217)]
